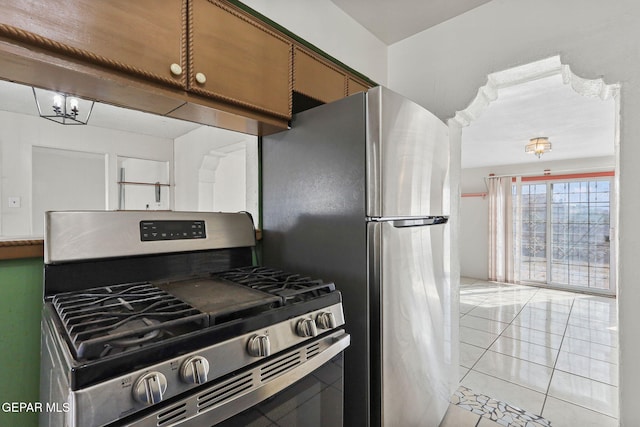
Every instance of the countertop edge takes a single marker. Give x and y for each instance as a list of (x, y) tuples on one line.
[(21, 248)]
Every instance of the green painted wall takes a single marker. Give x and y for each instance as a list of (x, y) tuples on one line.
[(20, 304)]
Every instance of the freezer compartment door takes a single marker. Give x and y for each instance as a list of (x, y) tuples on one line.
[(407, 158), (414, 352)]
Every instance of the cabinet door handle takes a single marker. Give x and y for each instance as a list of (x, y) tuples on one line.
[(176, 69), (201, 78)]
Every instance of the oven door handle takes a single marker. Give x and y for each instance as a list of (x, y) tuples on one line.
[(337, 342)]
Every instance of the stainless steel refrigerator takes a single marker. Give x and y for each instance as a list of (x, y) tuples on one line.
[(357, 192)]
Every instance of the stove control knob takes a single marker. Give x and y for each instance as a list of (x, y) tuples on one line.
[(326, 320), (194, 370), (306, 328), (259, 346), (150, 388)]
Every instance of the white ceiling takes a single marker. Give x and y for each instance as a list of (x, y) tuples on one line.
[(577, 126), (392, 21)]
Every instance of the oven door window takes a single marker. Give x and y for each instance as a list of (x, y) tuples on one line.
[(316, 400)]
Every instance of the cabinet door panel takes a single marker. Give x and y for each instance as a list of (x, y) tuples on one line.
[(242, 61), (139, 37), (313, 77), (353, 86)]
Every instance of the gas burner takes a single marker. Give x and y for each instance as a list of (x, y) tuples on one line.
[(135, 340), (138, 338), (289, 287), (102, 321)]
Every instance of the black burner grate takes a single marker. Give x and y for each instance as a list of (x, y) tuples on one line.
[(114, 319), (121, 318), (289, 287)]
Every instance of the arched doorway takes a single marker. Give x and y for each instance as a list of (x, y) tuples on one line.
[(507, 329)]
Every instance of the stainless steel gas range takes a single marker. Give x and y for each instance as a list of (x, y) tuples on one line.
[(162, 319)]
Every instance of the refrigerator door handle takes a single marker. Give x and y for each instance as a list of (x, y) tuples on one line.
[(420, 222)]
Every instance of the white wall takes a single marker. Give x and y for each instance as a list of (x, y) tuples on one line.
[(216, 169), (236, 183), (474, 237), (19, 133), (443, 67), (323, 24), (231, 176), (65, 180)]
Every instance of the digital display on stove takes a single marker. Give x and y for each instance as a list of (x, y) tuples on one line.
[(151, 231)]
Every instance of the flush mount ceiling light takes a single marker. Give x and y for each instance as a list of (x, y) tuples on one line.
[(538, 146), (62, 108)]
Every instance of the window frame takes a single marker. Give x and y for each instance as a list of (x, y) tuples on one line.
[(548, 181)]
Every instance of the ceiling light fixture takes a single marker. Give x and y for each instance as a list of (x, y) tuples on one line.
[(65, 109), (538, 146)]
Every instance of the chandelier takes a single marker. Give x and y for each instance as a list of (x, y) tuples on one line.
[(62, 108), (538, 146)]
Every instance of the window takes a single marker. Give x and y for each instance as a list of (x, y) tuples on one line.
[(564, 230), (533, 231)]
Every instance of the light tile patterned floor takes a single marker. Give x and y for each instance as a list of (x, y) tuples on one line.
[(547, 352)]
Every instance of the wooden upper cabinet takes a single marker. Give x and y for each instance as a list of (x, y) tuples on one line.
[(237, 59), (138, 37), (354, 86), (316, 78), (200, 52)]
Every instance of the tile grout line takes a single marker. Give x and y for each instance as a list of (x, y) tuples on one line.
[(500, 335), (465, 375), (497, 337), (577, 375), (477, 305), (546, 395), (510, 382), (585, 407), (554, 368)]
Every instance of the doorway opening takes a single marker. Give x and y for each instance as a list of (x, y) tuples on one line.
[(552, 348), (568, 239)]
